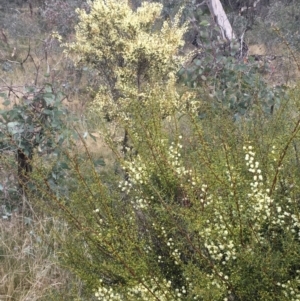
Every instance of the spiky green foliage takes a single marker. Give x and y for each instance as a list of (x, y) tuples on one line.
[(208, 208)]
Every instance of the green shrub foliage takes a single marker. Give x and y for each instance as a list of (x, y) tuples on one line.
[(198, 208)]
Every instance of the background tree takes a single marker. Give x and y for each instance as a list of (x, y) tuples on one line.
[(221, 19), (144, 58)]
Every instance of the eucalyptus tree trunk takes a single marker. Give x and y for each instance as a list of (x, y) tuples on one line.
[(220, 17)]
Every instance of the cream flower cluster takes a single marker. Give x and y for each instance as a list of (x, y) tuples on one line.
[(224, 248), (218, 282), (156, 290), (148, 290), (175, 253), (259, 198), (137, 172), (107, 294), (296, 224), (174, 157), (221, 247), (221, 252), (285, 217), (205, 198), (175, 161), (253, 167), (291, 288), (262, 204), (140, 203)]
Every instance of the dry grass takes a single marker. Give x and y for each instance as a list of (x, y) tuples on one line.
[(28, 269), (284, 69), (32, 54)]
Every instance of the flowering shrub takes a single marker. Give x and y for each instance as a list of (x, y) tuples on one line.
[(204, 209), (131, 57), (230, 240), (199, 217)]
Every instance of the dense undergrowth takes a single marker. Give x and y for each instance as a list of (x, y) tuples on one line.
[(193, 194)]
